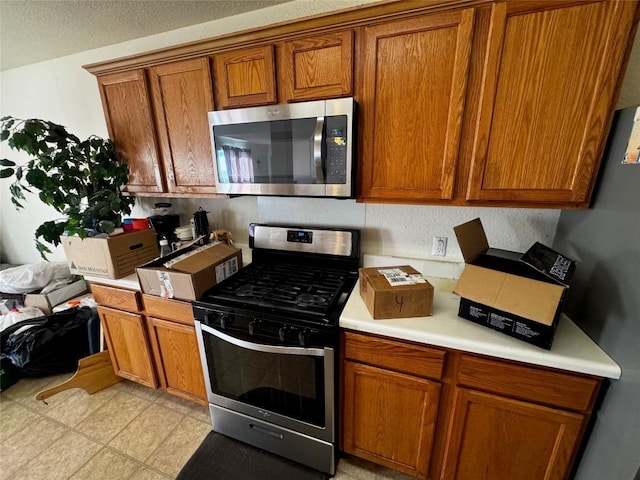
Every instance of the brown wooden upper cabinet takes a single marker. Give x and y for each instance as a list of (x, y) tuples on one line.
[(413, 96), (551, 78), (245, 77), (158, 120), (127, 109), (182, 96), (316, 67), (500, 103)]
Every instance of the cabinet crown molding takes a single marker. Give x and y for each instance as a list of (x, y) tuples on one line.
[(278, 32)]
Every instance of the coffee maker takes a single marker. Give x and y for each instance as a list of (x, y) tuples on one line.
[(165, 223), (201, 225)]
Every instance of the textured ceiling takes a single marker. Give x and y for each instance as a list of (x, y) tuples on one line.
[(36, 30)]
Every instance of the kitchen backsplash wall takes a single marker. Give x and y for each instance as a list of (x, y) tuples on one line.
[(393, 230), (62, 91)]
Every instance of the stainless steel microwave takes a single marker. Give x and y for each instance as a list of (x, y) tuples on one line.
[(296, 149)]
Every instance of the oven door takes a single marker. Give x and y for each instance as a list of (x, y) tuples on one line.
[(292, 387)]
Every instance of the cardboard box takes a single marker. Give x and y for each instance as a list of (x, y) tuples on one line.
[(114, 257), (395, 292), (47, 301), (520, 295), (187, 273)]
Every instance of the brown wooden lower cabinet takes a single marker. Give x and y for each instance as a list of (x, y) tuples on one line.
[(474, 418), (390, 401), (151, 341), (389, 418), (497, 437), (128, 345), (175, 347)]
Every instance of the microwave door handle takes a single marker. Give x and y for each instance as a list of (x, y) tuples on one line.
[(317, 149)]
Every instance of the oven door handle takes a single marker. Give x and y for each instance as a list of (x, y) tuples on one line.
[(314, 352)]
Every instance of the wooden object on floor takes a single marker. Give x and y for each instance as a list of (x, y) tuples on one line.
[(94, 373)]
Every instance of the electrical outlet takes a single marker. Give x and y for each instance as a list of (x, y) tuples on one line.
[(439, 248)]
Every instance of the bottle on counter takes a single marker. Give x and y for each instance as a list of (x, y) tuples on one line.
[(165, 248)]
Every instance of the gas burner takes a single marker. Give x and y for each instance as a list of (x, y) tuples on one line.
[(307, 300), (247, 291)]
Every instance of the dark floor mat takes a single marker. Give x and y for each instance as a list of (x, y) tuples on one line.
[(222, 458)]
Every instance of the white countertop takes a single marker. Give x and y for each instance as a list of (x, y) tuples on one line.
[(572, 349), (130, 281)]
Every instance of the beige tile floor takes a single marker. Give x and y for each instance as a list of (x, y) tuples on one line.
[(126, 431)]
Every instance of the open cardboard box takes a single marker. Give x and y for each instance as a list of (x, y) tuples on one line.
[(518, 294), (46, 301), (188, 272)]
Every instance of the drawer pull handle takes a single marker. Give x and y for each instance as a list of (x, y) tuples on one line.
[(266, 431)]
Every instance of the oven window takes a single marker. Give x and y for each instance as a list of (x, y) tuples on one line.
[(291, 385)]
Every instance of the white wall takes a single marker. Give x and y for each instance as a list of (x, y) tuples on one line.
[(61, 91)]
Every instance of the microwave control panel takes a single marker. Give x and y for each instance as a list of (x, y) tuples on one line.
[(336, 159)]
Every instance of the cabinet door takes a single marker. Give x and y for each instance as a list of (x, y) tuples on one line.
[(120, 298), (175, 349), (389, 418), (127, 109), (316, 67), (497, 438), (413, 94), (182, 96), (245, 77), (128, 345), (550, 81)]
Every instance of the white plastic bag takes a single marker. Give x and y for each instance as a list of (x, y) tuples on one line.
[(31, 277), (18, 315)]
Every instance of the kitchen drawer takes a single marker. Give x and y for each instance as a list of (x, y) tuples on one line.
[(128, 300), (575, 392), (174, 310), (402, 357)]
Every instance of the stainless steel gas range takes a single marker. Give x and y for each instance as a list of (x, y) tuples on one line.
[(268, 339)]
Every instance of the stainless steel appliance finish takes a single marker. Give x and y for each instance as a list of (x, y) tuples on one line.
[(328, 242), (297, 149), (268, 339)]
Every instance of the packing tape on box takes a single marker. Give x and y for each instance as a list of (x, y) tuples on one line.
[(195, 251), (397, 277), (166, 287)]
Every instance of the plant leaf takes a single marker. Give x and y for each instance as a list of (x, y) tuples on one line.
[(82, 179), (6, 172)]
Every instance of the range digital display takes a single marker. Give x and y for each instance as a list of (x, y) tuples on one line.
[(299, 236)]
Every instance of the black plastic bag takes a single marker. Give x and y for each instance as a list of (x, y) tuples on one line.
[(53, 344)]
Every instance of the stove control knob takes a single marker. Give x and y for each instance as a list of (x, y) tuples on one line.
[(254, 325), (209, 318), (225, 320), (303, 337), (282, 332)]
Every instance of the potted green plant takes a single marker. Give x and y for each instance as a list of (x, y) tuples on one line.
[(81, 179)]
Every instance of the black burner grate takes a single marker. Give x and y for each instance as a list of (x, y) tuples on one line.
[(291, 287)]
